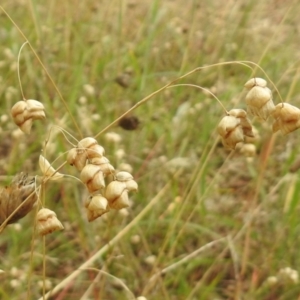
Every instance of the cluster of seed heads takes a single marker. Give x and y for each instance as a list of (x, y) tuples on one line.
[(107, 188), (235, 127)]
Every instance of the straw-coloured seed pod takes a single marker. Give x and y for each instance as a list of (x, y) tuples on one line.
[(121, 202), (92, 177), (20, 191), (26, 126), (255, 82), (91, 146), (35, 109), (131, 185), (104, 165), (17, 112), (24, 112), (259, 98), (117, 195), (244, 121), (77, 157), (47, 222), (123, 176), (127, 178), (231, 131), (87, 142), (287, 118), (96, 206)]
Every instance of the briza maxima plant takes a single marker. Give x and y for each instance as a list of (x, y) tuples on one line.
[(109, 189)]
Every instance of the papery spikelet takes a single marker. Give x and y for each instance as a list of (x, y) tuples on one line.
[(255, 82), (104, 164), (259, 98), (36, 109), (287, 118), (231, 131), (244, 121), (48, 170), (120, 202), (71, 157), (47, 222), (96, 206), (92, 177), (77, 157), (95, 214), (17, 112), (26, 126), (127, 178), (123, 176), (131, 185), (95, 151), (98, 202), (91, 146), (117, 195), (24, 112), (87, 142)]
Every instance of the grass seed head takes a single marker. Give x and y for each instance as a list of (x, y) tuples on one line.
[(287, 118), (231, 131), (127, 178), (92, 148), (77, 157), (259, 98), (47, 222), (117, 195), (96, 206), (24, 112), (93, 177), (104, 165), (245, 122)]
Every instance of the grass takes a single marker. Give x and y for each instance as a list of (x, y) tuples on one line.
[(239, 217)]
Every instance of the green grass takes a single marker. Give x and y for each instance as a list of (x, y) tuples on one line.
[(212, 197)]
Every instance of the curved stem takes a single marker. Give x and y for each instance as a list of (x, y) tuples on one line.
[(246, 64), (203, 89), (18, 68)]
